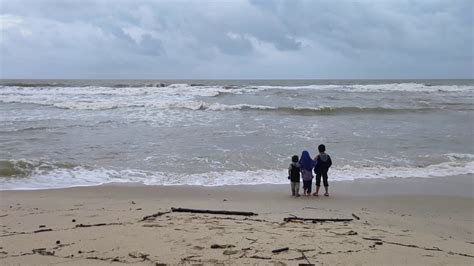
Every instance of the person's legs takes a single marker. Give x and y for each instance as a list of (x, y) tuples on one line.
[(310, 183), (318, 184), (307, 187), (326, 185), (295, 189)]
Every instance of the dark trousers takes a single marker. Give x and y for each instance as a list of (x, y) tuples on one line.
[(325, 179), (307, 185)]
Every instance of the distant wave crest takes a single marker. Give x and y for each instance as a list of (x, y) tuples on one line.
[(205, 106), (388, 87), (191, 96), (309, 110)]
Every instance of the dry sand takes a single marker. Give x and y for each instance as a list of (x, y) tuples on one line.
[(410, 221)]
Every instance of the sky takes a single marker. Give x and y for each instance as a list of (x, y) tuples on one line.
[(236, 39)]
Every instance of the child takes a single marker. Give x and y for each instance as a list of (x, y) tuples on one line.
[(307, 165), (294, 176), (323, 162)]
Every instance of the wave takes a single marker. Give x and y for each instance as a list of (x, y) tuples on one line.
[(186, 95), (51, 95), (94, 105), (388, 87), (83, 83), (26, 129), (24, 174), (77, 105), (311, 110), (102, 84), (337, 85), (205, 106), (29, 168), (28, 84)]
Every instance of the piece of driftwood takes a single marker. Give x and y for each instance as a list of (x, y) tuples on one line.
[(214, 246), (92, 225), (260, 257), (214, 212), (43, 230), (380, 242), (316, 220), (280, 250), (306, 258), (371, 238), (153, 216), (355, 216)]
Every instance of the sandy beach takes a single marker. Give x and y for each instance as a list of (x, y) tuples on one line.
[(395, 222), (168, 132)]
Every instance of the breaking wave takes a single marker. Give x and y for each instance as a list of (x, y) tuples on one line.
[(98, 105), (24, 174), (310, 110), (388, 87)]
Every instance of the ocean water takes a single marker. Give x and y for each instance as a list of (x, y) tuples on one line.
[(62, 133)]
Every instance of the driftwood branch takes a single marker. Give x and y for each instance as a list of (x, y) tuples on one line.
[(306, 258), (280, 250), (101, 224), (214, 212), (43, 230), (372, 238), (316, 220), (260, 257), (415, 246), (153, 216)]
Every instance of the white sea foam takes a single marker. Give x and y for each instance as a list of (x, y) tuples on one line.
[(105, 98), (222, 107), (179, 95), (397, 87), (459, 164)]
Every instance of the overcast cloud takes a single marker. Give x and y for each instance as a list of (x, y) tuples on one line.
[(236, 39)]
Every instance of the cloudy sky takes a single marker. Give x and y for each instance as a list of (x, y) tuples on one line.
[(236, 39)]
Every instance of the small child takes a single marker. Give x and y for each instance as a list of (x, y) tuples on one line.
[(294, 176), (323, 162), (307, 165)]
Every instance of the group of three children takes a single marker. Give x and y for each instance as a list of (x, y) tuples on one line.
[(305, 165)]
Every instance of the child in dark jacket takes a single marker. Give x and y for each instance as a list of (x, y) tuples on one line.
[(294, 176), (323, 162)]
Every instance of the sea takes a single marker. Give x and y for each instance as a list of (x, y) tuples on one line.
[(67, 133)]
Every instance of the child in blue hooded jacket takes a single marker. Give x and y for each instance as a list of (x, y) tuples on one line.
[(307, 165)]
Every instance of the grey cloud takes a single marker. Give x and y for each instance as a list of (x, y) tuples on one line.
[(239, 39), (235, 46), (288, 43), (150, 45)]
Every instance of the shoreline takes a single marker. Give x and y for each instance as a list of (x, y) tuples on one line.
[(104, 225), (457, 185)]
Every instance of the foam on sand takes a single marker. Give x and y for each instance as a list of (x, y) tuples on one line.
[(28, 174)]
